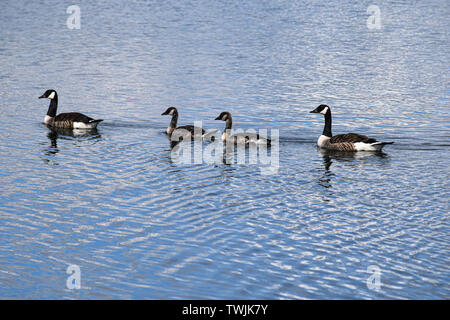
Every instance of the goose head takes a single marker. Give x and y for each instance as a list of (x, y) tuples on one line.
[(224, 116), (323, 109), (171, 111), (49, 94)]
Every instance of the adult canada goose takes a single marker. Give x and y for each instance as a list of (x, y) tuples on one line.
[(344, 142), (239, 138), (195, 132), (70, 120)]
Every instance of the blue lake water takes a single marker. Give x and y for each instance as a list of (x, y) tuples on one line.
[(141, 225)]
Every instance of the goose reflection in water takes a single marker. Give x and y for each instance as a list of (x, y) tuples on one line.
[(352, 158), (210, 150), (65, 134), (51, 151), (185, 136)]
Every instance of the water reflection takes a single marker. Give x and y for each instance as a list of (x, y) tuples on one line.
[(185, 135), (348, 156), (214, 153), (54, 134), (353, 158), (51, 151)]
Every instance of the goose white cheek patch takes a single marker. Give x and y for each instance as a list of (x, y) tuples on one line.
[(324, 110), (51, 95)]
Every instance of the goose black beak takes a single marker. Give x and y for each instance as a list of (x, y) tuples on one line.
[(314, 111), (41, 97), (164, 113), (218, 118)]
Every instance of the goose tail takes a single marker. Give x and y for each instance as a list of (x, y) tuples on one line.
[(94, 123), (382, 143), (379, 145), (374, 146)]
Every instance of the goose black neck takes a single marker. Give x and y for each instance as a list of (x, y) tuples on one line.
[(173, 122), (53, 106), (327, 128)]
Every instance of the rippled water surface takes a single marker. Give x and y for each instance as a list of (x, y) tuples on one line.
[(141, 224)]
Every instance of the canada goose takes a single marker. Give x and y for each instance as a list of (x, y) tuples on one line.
[(195, 132), (344, 142), (239, 138), (70, 120)]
